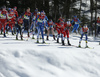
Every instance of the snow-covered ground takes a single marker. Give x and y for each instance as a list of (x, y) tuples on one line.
[(28, 59)]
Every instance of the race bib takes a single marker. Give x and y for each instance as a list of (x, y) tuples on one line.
[(26, 17), (76, 23)]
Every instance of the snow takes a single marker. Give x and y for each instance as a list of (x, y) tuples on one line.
[(28, 59)]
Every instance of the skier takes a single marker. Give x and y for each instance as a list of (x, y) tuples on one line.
[(61, 19), (27, 18), (59, 28), (15, 11), (16, 16), (67, 27), (11, 18), (19, 28), (98, 26), (3, 18), (33, 24), (40, 26), (84, 31), (45, 21), (50, 27), (76, 25), (0, 24)]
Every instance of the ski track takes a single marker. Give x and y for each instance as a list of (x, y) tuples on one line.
[(28, 59)]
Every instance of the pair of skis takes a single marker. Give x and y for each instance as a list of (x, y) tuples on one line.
[(80, 46)]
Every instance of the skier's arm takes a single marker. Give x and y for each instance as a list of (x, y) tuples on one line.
[(0, 14), (72, 21), (79, 21)]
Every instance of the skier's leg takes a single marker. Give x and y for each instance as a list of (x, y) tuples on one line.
[(11, 25), (74, 28), (33, 29), (28, 28), (17, 29), (67, 32), (41, 28), (38, 28), (81, 39), (63, 38), (4, 28), (48, 34), (58, 35), (77, 26), (86, 40), (53, 33)]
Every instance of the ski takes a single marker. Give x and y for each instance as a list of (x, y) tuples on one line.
[(41, 43), (85, 47)]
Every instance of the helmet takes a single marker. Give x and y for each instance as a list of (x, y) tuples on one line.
[(9, 9), (38, 13), (12, 10), (98, 17), (42, 13), (15, 8), (75, 16)]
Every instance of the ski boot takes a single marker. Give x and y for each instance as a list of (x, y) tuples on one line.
[(54, 37), (21, 37), (28, 34), (63, 42), (33, 37), (86, 45), (57, 40), (69, 43), (4, 34), (12, 33), (37, 41), (43, 41), (16, 37), (79, 45), (1, 32), (47, 37)]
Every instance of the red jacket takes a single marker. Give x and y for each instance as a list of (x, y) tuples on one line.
[(98, 21), (16, 13), (4, 15), (85, 29), (12, 17), (20, 21)]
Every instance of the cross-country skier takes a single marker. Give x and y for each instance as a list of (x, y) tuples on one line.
[(67, 27), (84, 31), (98, 25), (19, 28), (60, 29), (33, 24), (16, 16), (11, 18), (45, 21), (76, 25), (27, 19), (61, 19), (40, 26), (3, 18), (0, 24), (50, 27)]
